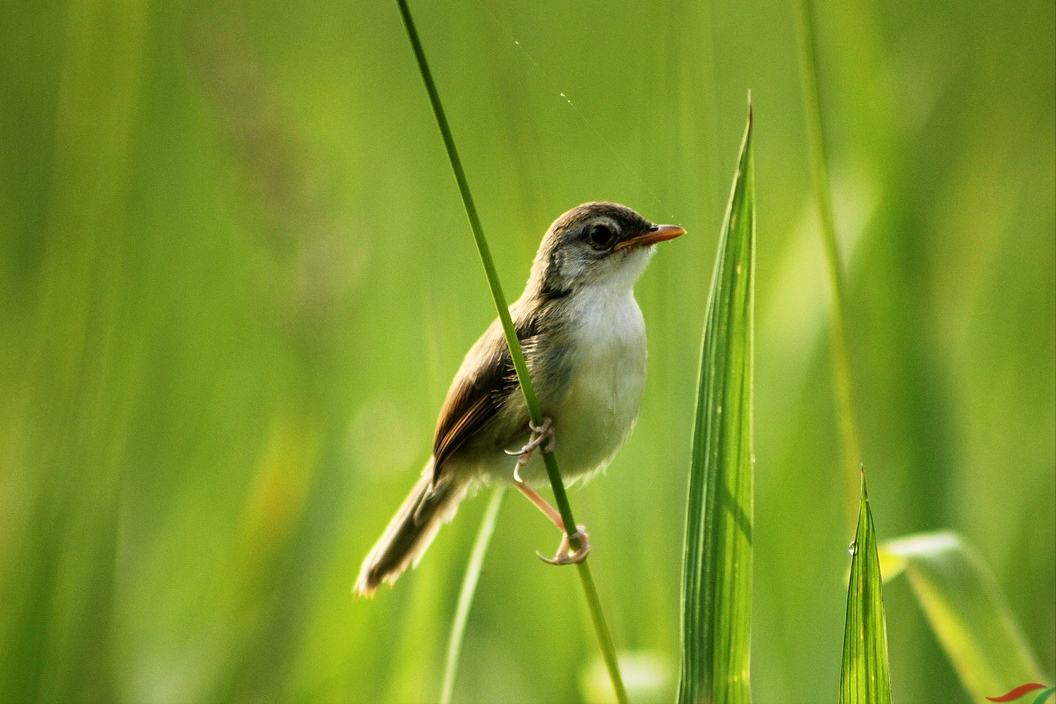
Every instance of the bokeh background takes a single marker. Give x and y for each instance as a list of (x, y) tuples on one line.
[(236, 278)]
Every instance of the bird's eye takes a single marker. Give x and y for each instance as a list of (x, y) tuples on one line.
[(601, 236)]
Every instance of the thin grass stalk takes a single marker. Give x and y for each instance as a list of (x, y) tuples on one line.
[(467, 592), (851, 449), (516, 354)]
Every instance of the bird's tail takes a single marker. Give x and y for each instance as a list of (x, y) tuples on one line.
[(410, 532)]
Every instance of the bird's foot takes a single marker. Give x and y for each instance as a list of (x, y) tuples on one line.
[(540, 434), (566, 555)]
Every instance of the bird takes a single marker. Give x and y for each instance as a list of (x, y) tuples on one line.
[(583, 338)]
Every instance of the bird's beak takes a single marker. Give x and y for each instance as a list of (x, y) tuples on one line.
[(657, 233)]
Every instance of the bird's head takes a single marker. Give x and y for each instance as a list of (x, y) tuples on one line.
[(595, 244)]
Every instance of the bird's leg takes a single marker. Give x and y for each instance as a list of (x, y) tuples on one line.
[(565, 554), (541, 504)]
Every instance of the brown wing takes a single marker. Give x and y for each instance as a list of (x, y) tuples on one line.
[(479, 393)]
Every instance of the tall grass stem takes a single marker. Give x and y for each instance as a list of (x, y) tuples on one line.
[(516, 354), (851, 451), (469, 589)]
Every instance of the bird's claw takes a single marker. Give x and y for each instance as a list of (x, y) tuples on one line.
[(565, 554), (544, 432), (540, 434)]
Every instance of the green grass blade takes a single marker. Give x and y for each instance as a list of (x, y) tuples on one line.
[(516, 354), (586, 578), (965, 608), (469, 589), (844, 387), (865, 678), (717, 560)]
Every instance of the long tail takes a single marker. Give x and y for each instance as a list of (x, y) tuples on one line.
[(410, 532)]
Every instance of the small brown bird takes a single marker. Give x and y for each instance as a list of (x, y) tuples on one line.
[(584, 342)]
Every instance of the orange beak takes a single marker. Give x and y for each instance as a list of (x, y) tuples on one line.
[(659, 233)]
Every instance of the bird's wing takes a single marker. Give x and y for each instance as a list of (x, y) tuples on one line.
[(479, 395)]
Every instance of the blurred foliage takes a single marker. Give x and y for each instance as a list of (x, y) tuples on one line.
[(235, 280), (965, 609)]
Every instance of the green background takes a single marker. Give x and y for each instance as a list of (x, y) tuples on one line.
[(236, 279)]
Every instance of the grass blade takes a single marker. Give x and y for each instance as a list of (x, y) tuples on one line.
[(516, 354), (717, 560), (865, 678), (586, 578), (965, 608), (844, 390), (469, 589)]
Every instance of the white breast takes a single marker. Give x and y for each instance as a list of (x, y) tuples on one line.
[(607, 385)]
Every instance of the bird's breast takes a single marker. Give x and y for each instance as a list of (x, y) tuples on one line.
[(606, 383)]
